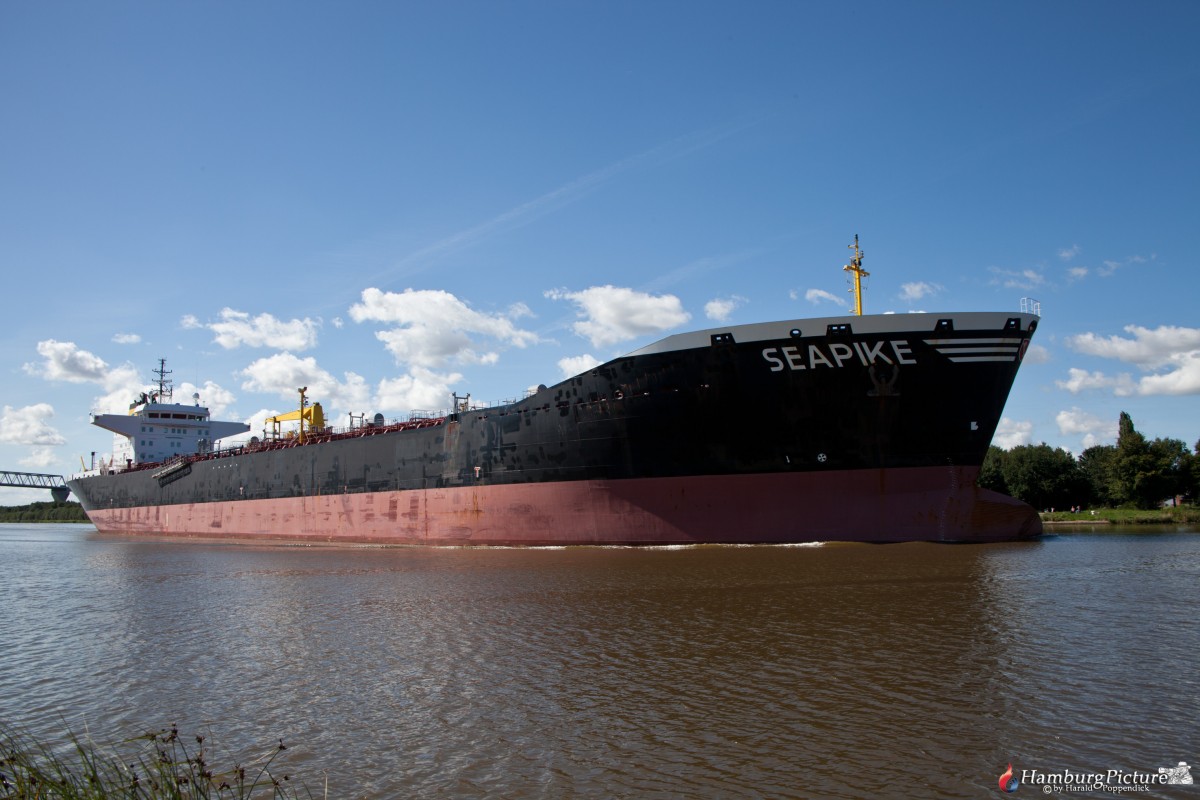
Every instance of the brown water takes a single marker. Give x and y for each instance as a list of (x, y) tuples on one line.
[(910, 670)]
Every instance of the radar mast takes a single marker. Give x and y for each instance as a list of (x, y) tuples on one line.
[(164, 383), (855, 266)]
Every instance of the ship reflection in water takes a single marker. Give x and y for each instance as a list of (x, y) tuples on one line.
[(767, 671)]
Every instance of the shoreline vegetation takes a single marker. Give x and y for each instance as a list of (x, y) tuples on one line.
[(1135, 473), (155, 766), (69, 511), (1177, 515)]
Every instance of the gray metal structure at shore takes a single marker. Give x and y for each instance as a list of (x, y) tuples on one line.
[(37, 480)]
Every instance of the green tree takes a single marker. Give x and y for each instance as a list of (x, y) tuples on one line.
[(1131, 464), (1169, 461), (1043, 476), (44, 512), (1097, 464), (1147, 473), (991, 474), (1191, 474)]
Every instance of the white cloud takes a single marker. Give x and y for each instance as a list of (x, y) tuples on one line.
[(39, 458), (1067, 253), (214, 397), (1185, 379), (29, 425), (432, 346), (433, 327), (1010, 433), (1111, 266), (1017, 279), (1077, 421), (720, 308), (612, 314), (918, 290), (283, 374), (816, 296), (1080, 380), (1171, 352), (127, 338), (1147, 349), (1036, 354), (1077, 273), (66, 362), (122, 384), (238, 328), (420, 389), (574, 365)]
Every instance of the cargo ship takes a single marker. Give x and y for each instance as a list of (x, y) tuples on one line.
[(868, 428)]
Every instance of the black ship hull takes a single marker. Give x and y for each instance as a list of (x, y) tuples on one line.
[(849, 428)]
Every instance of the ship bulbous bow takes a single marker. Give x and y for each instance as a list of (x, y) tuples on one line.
[(993, 517)]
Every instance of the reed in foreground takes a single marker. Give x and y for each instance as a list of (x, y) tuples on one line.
[(158, 766)]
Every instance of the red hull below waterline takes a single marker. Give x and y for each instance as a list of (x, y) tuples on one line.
[(885, 505)]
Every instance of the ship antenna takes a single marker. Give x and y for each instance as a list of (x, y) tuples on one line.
[(164, 383), (855, 266), (303, 403)]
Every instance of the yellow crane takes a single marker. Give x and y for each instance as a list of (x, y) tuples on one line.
[(313, 415)]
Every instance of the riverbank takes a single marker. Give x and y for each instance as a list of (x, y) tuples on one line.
[(1181, 515)]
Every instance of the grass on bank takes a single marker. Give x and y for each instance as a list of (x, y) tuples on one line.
[(157, 766), (1179, 515)]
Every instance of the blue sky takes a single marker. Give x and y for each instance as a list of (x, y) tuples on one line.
[(387, 202)]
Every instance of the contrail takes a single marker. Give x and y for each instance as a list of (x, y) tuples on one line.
[(569, 192)]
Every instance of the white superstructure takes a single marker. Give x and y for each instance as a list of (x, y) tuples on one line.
[(155, 431)]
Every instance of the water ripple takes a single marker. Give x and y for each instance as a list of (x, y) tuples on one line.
[(741, 672)]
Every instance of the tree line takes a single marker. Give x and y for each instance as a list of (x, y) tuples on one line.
[(69, 511), (1133, 473)]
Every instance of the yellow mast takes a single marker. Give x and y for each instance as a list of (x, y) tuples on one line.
[(855, 266)]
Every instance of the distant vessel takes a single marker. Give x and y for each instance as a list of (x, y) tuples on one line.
[(850, 428)]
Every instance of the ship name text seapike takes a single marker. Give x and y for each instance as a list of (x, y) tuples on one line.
[(838, 354)]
